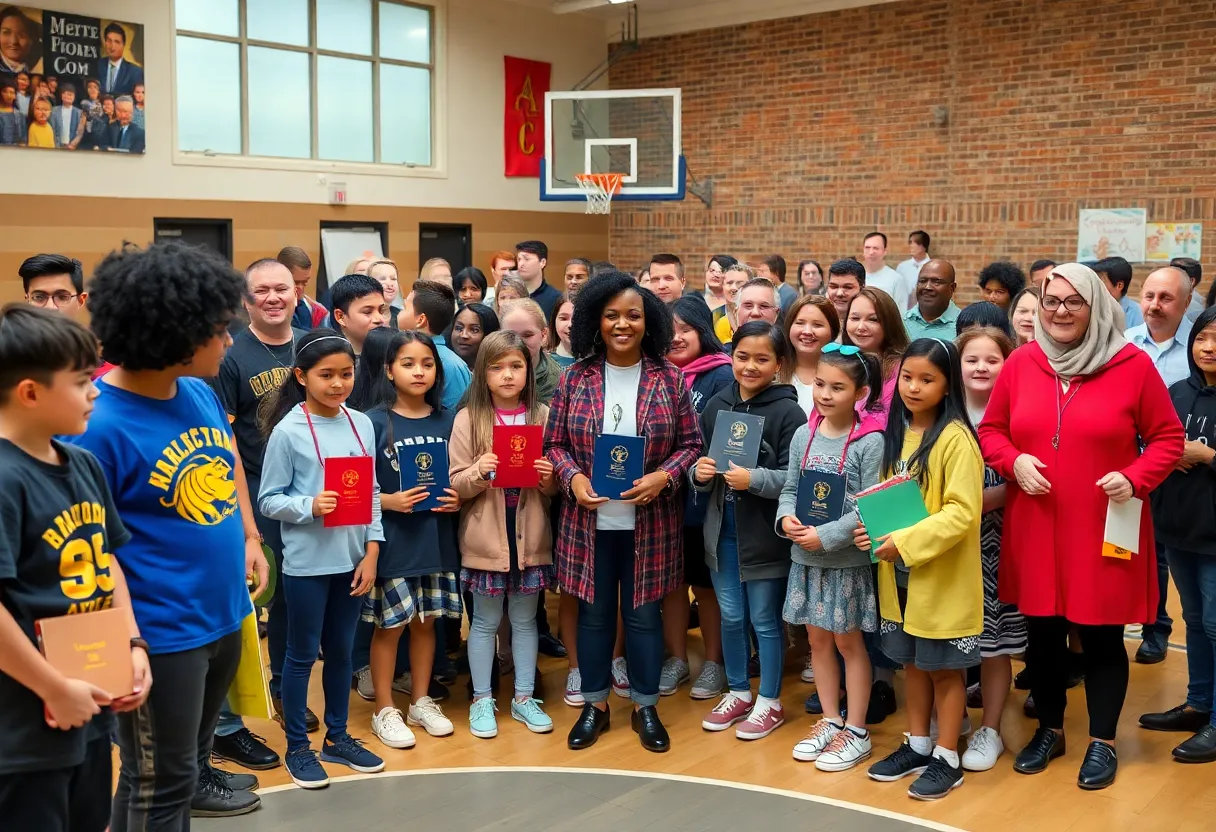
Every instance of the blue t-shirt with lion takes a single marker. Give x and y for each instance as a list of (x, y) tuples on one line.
[(169, 465)]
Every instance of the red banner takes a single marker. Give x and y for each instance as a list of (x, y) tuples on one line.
[(524, 115)]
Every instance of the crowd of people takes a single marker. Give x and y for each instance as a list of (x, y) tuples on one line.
[(201, 443)]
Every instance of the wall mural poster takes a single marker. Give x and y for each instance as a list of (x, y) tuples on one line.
[(1167, 240), (69, 82), (1111, 232)]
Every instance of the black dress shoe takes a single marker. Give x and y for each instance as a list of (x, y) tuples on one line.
[(1043, 747), (1181, 718), (311, 723), (1098, 770), (882, 703), (214, 799), (587, 728), (1200, 748), (1152, 650), (551, 645), (1022, 680), (650, 730), (246, 749)]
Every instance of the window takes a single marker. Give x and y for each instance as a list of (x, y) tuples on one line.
[(332, 80)]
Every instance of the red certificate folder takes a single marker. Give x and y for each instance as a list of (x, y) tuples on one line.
[(517, 448), (351, 478)]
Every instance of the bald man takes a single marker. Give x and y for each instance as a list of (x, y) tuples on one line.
[(934, 314), (1163, 300)]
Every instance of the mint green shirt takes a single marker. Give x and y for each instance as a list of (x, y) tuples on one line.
[(943, 327)]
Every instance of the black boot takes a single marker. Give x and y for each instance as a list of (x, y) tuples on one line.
[(214, 799), (246, 749), (650, 730), (1200, 748), (587, 728)]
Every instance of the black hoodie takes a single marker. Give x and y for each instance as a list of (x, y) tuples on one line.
[(762, 554), (1184, 506)]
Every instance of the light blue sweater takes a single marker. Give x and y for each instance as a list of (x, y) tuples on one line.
[(292, 476)]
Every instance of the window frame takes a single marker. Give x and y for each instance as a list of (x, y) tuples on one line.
[(437, 169)]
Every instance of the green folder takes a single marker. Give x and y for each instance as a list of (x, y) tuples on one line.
[(890, 509)]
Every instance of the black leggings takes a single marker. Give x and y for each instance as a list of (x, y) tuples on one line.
[(1106, 670)]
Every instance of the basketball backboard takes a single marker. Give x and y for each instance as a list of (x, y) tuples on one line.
[(635, 133)]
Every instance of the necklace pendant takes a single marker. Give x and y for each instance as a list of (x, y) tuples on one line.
[(1055, 442)]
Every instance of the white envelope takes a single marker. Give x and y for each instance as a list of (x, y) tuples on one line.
[(1123, 524)]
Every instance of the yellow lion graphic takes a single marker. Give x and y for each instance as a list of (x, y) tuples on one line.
[(205, 491)]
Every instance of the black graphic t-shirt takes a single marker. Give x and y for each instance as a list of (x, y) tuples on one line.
[(251, 370), (58, 533)]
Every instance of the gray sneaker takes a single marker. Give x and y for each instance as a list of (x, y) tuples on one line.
[(365, 687), (711, 683), (675, 673)]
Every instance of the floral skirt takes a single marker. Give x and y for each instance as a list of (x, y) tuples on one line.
[(530, 581), (393, 602), (837, 600)]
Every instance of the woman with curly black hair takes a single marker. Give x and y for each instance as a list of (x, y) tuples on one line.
[(167, 450), (1000, 281), (629, 548)]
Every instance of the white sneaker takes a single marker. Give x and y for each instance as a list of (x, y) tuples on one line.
[(364, 687), (819, 738), (403, 683), (427, 713), (620, 677), (574, 689), (964, 727), (844, 751), (808, 672), (390, 728), (983, 750)]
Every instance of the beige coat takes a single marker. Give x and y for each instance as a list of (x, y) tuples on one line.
[(483, 513)]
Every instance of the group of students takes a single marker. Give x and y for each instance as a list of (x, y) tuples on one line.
[(190, 486)]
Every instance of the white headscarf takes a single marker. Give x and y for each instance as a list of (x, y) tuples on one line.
[(1103, 338)]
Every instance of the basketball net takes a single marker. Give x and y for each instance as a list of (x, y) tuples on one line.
[(600, 188)]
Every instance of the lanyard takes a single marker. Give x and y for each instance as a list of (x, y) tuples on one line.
[(844, 452), (313, 431)]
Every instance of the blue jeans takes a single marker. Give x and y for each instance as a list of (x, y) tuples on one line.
[(487, 615), (1195, 577), (759, 600), (597, 625), (321, 615), (1160, 629)]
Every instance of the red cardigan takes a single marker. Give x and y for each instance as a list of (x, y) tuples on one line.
[(1051, 550)]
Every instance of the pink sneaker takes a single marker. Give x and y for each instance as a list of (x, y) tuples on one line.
[(729, 710), (762, 721)]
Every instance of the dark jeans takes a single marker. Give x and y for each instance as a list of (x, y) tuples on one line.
[(164, 744), (597, 625), (1106, 670), (1160, 629), (321, 615), (75, 799), (1195, 577)]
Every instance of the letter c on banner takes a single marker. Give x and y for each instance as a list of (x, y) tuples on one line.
[(525, 146)]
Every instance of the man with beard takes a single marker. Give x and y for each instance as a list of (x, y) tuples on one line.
[(1163, 300), (935, 313)]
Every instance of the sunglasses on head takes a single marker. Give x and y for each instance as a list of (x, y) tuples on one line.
[(843, 349)]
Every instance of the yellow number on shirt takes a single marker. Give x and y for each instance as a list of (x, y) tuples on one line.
[(84, 567)]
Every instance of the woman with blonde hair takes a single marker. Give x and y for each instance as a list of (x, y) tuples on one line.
[(509, 288), (359, 265), (726, 317), (438, 270)]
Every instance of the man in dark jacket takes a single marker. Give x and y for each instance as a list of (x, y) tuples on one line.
[(1185, 524)]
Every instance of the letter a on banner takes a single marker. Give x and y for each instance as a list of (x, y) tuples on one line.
[(524, 115)]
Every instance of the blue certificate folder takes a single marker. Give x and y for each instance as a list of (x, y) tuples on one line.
[(619, 460), (425, 465)]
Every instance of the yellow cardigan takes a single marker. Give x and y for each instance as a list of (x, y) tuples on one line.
[(942, 552)]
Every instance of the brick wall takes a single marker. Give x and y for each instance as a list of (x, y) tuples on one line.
[(817, 129)]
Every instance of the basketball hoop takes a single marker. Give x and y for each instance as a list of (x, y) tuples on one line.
[(600, 188)]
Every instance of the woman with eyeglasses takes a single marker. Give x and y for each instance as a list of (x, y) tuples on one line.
[(715, 295), (1069, 446)]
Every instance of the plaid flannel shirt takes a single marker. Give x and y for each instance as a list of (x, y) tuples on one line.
[(673, 442)]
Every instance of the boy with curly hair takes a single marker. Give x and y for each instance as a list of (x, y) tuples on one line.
[(167, 451)]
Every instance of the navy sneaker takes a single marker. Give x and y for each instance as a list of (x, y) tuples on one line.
[(304, 769), (899, 764), (348, 751), (937, 781)]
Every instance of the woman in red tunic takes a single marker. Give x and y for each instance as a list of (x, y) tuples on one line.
[(1065, 426)]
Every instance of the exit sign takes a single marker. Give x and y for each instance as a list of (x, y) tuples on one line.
[(337, 193)]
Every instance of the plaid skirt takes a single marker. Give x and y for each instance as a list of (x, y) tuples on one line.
[(532, 580), (393, 602)]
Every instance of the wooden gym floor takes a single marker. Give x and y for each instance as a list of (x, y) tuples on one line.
[(1152, 794)]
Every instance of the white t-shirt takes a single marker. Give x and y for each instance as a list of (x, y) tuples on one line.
[(620, 417), (894, 284), (910, 269), (806, 394)]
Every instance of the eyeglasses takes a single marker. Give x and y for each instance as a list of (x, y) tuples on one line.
[(60, 298), (843, 349), (1073, 303)]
